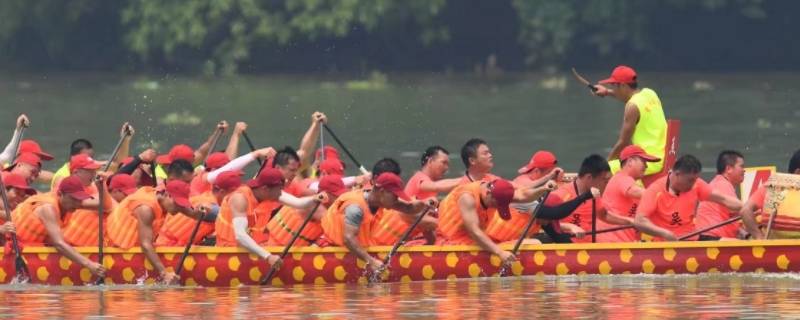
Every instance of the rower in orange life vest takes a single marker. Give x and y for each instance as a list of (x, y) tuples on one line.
[(730, 172), (350, 220), (81, 226), (83, 146), (465, 212), (17, 190), (38, 220), (429, 181), (755, 204), (185, 152), (200, 183), (667, 208), (643, 123), (138, 218), (237, 212), (622, 194), (27, 165), (477, 159), (287, 220)]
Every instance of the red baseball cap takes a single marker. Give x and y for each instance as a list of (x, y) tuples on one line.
[(123, 182), (229, 180), (503, 192), (637, 151), (621, 74), (179, 192), (392, 183), (16, 181), (540, 160), (332, 184), (180, 151), (33, 147), (330, 152), (83, 161), (73, 187), (332, 166), (29, 158), (269, 177), (216, 160)]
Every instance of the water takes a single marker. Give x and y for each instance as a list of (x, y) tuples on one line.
[(517, 114), (574, 297)]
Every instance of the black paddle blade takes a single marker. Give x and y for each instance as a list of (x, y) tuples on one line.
[(23, 274)]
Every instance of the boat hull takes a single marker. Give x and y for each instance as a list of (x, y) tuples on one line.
[(224, 267)]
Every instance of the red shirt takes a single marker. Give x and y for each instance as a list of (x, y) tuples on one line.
[(582, 216), (711, 213), (617, 201), (412, 187), (672, 212)]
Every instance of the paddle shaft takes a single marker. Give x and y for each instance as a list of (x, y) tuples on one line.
[(594, 220), (20, 267), (322, 145), (101, 199), (723, 223), (251, 145), (346, 151), (531, 221), (185, 254), (771, 221), (607, 230), (296, 235)]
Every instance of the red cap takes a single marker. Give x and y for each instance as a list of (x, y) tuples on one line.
[(269, 177), (28, 158), (229, 180), (503, 192), (216, 160), (330, 152), (332, 184), (83, 161), (621, 74), (180, 151), (16, 181), (636, 151), (123, 182), (179, 192), (332, 166), (392, 183), (73, 187), (33, 147), (540, 160)]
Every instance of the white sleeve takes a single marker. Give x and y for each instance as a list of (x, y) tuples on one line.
[(244, 240), (295, 202), (8, 152), (235, 164), (348, 182)]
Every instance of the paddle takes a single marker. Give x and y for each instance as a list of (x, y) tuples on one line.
[(214, 141), (375, 277), (594, 221), (322, 145), (20, 267), (770, 222), (525, 231), (350, 155), (723, 223), (583, 80), (185, 254), (101, 198), (251, 145), (295, 235), (618, 228)]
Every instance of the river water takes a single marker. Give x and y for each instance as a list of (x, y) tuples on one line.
[(720, 296)]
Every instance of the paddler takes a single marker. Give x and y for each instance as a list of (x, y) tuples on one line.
[(730, 173), (667, 208), (537, 171), (27, 165), (81, 226), (477, 159), (185, 152), (83, 146), (643, 121), (286, 222), (755, 204), (38, 220), (17, 190), (138, 218), (429, 181), (200, 183), (622, 194)]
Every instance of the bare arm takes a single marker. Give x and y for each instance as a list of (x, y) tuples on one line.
[(233, 143), (145, 217), (10, 151), (350, 239), (629, 120), (124, 149), (310, 138), (635, 191), (203, 150), (444, 185), (748, 213), (729, 202), (472, 226), (613, 218), (644, 224), (47, 215)]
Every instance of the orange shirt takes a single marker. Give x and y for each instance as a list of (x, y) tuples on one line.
[(616, 200), (295, 188), (671, 212), (451, 223), (711, 213), (486, 178), (412, 187), (582, 216), (199, 184)]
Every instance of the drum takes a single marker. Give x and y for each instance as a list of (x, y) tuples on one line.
[(783, 201)]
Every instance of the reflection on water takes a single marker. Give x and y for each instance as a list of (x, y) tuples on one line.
[(615, 297)]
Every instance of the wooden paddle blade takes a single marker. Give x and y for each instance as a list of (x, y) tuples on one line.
[(583, 80)]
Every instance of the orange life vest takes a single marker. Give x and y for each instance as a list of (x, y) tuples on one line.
[(451, 224), (177, 228), (509, 230), (199, 184), (264, 211), (30, 229), (284, 226), (333, 221), (224, 225), (389, 226), (81, 226), (123, 225)]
